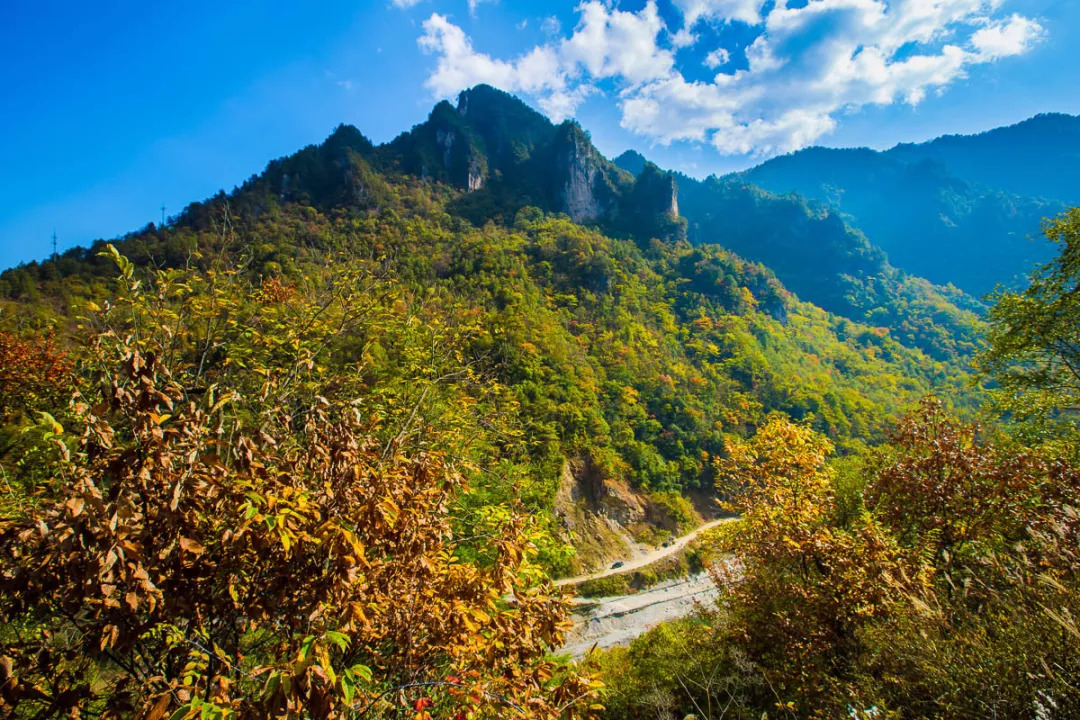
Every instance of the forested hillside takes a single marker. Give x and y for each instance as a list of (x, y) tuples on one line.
[(641, 354), (816, 253), (233, 446)]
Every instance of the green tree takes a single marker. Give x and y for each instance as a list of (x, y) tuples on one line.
[(1034, 337)]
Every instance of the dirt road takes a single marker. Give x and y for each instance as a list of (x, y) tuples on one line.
[(646, 558)]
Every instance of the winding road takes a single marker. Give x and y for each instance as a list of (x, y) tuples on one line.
[(606, 622), (647, 558)]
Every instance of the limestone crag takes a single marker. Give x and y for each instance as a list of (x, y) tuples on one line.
[(578, 170)]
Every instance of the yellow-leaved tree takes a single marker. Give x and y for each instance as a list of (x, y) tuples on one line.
[(801, 586)]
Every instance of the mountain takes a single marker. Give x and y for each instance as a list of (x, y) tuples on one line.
[(1039, 157), (817, 254), (929, 221), (960, 209), (626, 349), (507, 155)]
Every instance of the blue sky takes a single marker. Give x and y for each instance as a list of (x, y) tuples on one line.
[(113, 109)]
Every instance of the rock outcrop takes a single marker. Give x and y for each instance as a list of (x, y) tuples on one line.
[(507, 155), (576, 169)]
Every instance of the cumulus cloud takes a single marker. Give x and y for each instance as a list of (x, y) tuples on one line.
[(614, 43), (405, 4), (606, 43), (806, 67), (1000, 39), (683, 38), (460, 66)]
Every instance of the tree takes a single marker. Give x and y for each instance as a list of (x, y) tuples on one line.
[(1034, 339), (35, 374), (943, 488), (800, 588), (990, 630)]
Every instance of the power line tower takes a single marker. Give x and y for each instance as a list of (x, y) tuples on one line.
[(54, 243), (162, 214)]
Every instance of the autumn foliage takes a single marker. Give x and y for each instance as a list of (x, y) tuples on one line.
[(33, 372), (193, 566), (949, 592), (802, 585)]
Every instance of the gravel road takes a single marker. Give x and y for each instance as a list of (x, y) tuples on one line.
[(607, 622)]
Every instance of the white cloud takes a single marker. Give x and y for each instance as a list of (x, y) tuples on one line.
[(1014, 36), (606, 43), (807, 66), (405, 4), (683, 38), (747, 11), (459, 66), (717, 58), (614, 43)]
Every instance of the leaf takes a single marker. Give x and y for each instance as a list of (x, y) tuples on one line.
[(158, 711), (75, 506), (191, 546), (339, 639), (348, 687), (181, 713), (47, 419), (109, 636)]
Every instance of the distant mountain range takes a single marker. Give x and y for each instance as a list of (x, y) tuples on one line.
[(875, 237), (959, 209)]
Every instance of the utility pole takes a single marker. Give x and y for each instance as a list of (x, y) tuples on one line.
[(162, 214)]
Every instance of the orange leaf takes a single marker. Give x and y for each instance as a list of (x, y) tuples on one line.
[(191, 546)]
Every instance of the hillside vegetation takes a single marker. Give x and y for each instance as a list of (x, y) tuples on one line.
[(297, 452), (935, 576)]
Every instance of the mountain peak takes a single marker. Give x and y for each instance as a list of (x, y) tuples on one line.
[(632, 162)]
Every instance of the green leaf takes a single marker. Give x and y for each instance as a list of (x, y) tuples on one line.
[(339, 639), (348, 687)]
